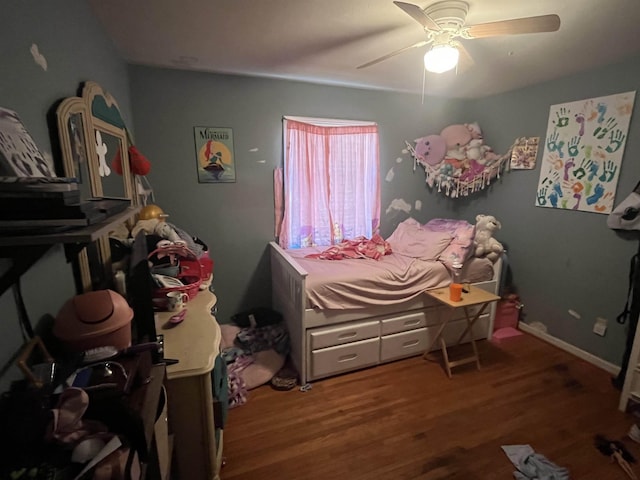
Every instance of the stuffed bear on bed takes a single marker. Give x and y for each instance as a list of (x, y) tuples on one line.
[(485, 245)]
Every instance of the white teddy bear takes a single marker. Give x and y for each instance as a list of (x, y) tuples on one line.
[(476, 150), (485, 245)]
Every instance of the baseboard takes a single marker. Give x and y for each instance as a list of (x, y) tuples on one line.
[(572, 349)]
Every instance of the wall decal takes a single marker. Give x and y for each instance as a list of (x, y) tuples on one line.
[(214, 154), (38, 57), (390, 175), (399, 204), (583, 153), (101, 150)]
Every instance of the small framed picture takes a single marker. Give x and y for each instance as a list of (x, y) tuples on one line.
[(214, 154), (524, 153)]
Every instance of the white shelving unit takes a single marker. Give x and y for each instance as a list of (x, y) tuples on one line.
[(631, 387)]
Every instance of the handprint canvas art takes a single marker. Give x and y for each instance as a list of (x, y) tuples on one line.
[(583, 153)]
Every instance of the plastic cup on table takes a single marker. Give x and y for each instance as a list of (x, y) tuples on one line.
[(455, 292)]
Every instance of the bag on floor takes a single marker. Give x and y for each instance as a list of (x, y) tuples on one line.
[(256, 317)]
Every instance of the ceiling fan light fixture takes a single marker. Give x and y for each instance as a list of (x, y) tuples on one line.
[(441, 58)]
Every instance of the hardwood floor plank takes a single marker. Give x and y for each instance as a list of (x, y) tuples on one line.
[(407, 420)]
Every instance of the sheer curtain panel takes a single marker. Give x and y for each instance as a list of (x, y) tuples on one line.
[(330, 182)]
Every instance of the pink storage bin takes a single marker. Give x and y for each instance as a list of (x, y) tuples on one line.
[(507, 313)]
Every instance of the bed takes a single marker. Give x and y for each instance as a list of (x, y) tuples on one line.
[(355, 313)]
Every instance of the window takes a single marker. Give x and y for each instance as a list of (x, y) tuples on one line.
[(330, 182)]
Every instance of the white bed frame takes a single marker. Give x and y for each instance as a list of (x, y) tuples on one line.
[(330, 342)]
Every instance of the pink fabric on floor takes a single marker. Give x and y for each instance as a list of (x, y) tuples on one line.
[(506, 332), (229, 332)]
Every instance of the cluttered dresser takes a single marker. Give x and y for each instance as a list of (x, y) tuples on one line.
[(126, 382)]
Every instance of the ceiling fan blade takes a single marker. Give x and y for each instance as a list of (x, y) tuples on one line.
[(465, 61), (393, 54), (542, 23), (418, 15)]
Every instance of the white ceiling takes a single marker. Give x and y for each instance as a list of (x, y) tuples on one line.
[(322, 41)]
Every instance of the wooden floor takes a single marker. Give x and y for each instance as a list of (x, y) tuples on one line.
[(407, 420)]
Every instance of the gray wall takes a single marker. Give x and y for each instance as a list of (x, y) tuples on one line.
[(76, 50), (560, 260), (564, 259), (236, 220)]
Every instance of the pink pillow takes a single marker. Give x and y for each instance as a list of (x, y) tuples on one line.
[(461, 246), (412, 240)]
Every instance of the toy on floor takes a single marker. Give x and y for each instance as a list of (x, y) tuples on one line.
[(618, 453)]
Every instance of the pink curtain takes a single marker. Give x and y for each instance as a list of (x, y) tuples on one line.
[(278, 196), (331, 184)]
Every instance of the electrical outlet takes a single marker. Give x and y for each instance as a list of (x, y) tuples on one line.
[(600, 327)]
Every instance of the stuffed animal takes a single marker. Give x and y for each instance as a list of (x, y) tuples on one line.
[(456, 136), (474, 130), (474, 169), (481, 153), (476, 150), (430, 149), (457, 153), (485, 245), (155, 226)]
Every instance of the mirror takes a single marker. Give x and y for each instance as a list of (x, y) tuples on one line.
[(94, 144), (73, 129), (108, 145)]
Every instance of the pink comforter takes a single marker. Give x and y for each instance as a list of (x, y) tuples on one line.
[(359, 247), (360, 283)]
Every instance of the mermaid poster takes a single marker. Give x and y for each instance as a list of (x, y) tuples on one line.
[(583, 153), (214, 155)]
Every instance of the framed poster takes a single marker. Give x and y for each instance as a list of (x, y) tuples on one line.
[(214, 155)]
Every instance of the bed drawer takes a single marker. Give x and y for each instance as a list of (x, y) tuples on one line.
[(338, 335), (404, 344), (343, 358), (409, 321)]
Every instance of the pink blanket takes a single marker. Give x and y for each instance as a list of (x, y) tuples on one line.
[(360, 247), (358, 283)]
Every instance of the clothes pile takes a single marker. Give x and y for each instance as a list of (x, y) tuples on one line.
[(255, 347)]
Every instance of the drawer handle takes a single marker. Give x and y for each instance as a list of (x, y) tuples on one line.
[(348, 358), (411, 323), (410, 344), (342, 336)]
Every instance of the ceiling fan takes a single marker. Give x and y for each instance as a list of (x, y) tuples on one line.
[(444, 22)]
